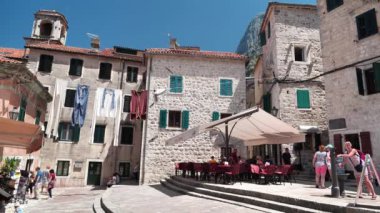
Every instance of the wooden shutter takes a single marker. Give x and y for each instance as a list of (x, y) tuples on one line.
[(76, 133), (215, 116), (225, 87), (185, 119), (303, 99), (263, 40), (371, 22), (376, 70), (267, 103), (365, 138), (338, 144), (179, 84), (173, 84), (163, 116), (359, 77), (21, 115)]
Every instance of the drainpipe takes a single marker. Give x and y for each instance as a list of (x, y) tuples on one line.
[(144, 131)]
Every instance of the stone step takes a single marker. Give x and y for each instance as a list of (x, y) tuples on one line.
[(184, 191), (242, 197), (97, 207)]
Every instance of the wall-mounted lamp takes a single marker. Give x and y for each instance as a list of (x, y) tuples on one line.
[(13, 114), (274, 111)]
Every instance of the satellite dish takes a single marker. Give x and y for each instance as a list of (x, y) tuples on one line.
[(159, 91)]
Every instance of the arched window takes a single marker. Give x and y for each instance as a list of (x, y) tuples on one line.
[(46, 29)]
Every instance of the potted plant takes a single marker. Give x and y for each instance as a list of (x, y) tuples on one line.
[(9, 166)]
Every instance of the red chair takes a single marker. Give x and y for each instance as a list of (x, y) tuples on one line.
[(176, 167), (268, 172), (233, 174), (198, 169), (182, 166)]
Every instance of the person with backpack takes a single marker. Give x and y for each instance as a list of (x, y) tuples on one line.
[(354, 158)]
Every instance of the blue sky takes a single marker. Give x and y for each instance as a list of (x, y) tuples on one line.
[(211, 24)]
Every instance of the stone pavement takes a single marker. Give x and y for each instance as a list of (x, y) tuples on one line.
[(70, 199)]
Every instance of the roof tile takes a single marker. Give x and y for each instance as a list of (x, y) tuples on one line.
[(12, 53), (186, 52)]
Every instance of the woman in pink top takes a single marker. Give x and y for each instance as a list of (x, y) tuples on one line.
[(51, 182)]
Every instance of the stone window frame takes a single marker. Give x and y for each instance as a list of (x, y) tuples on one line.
[(310, 99), (69, 170), (183, 85), (180, 118), (306, 53), (233, 90)]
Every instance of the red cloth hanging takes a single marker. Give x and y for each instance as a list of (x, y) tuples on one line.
[(138, 104)]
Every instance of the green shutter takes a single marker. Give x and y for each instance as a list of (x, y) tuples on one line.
[(185, 119), (267, 103), (163, 115), (60, 128), (76, 133), (173, 84), (303, 99), (371, 22), (38, 117), (359, 77), (179, 84), (215, 116), (263, 40), (21, 115), (376, 69), (176, 84), (225, 87)]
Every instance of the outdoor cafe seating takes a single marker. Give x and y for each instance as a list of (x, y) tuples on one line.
[(230, 174)]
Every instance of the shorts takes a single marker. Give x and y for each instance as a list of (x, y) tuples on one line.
[(321, 170)]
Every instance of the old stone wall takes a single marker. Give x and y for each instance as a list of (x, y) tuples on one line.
[(200, 97), (85, 151)]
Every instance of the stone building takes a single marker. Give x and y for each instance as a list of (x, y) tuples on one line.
[(90, 154), (23, 103), (288, 77), (188, 87), (351, 61)]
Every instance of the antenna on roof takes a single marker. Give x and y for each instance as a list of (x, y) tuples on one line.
[(95, 40)]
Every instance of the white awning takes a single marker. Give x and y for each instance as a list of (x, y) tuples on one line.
[(253, 126)]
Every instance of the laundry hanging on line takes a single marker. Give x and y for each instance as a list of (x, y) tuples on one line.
[(138, 104), (80, 105)]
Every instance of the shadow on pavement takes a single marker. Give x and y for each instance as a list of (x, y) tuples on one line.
[(166, 191), (95, 188)]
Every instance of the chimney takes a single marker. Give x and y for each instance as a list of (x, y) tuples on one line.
[(173, 43), (95, 43)]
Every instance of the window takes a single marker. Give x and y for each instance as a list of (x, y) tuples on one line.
[(332, 4), (217, 115), (225, 88), (267, 103), (132, 73), (66, 132), (369, 80), (126, 135), (21, 115), (99, 133), (127, 103), (63, 168), (174, 119), (269, 29), (366, 24), (46, 62), (303, 99), (76, 67), (105, 71), (124, 168), (70, 98), (299, 54), (176, 85), (263, 39), (46, 29), (38, 117)]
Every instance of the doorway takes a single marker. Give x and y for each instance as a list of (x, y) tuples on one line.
[(94, 173)]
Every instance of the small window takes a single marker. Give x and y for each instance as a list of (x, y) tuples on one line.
[(70, 98), (38, 117), (124, 169), (174, 119), (63, 168), (46, 29), (46, 62), (225, 87), (225, 115), (21, 115), (263, 39), (299, 54), (332, 4), (268, 29), (126, 135), (67, 132), (369, 80), (99, 133), (127, 103), (105, 71), (366, 24), (303, 99), (76, 67), (132, 73), (176, 85)]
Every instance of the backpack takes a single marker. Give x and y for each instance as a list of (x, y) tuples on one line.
[(361, 154)]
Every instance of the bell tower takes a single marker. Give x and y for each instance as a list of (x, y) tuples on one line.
[(48, 26)]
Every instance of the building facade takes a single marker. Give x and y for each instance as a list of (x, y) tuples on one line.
[(24, 103), (107, 140), (188, 87), (351, 61), (288, 77)]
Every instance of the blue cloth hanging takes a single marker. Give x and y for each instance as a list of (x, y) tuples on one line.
[(80, 105)]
